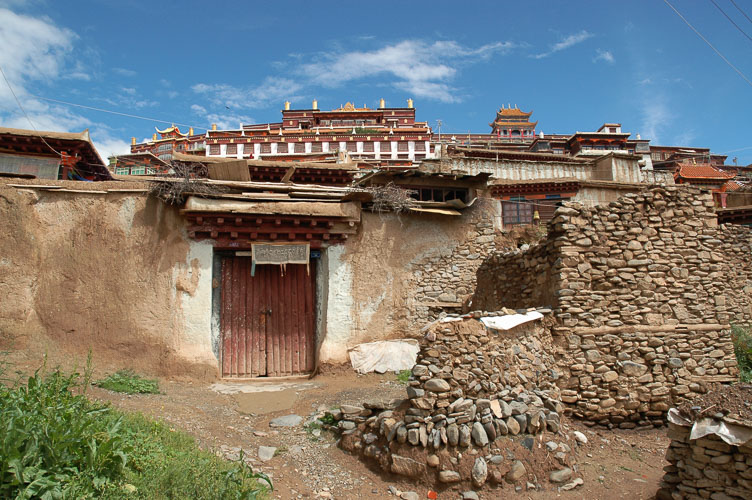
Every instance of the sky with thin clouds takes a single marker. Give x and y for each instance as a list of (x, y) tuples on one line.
[(575, 64)]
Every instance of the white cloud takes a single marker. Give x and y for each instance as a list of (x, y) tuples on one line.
[(229, 121), (124, 72), (566, 43), (129, 90), (604, 55), (270, 90), (33, 49), (422, 68), (655, 118), (223, 120), (109, 146)]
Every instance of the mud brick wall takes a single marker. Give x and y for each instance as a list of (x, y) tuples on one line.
[(644, 291), (706, 467)]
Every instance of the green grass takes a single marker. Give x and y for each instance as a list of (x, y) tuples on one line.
[(741, 336), (55, 444), (129, 382), (404, 376)]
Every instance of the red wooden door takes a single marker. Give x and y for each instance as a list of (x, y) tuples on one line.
[(266, 320)]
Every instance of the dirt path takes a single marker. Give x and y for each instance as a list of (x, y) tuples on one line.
[(307, 464)]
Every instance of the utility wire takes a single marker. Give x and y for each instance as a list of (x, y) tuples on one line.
[(740, 10), (709, 44), (25, 114), (115, 112), (731, 20)]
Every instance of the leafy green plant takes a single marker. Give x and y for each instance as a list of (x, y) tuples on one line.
[(741, 336), (57, 444), (129, 382), (328, 419), (51, 439), (403, 376)]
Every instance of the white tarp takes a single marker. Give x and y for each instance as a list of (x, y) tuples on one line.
[(510, 320), (384, 356), (732, 434)]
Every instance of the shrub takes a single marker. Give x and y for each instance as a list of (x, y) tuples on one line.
[(742, 339), (129, 382)]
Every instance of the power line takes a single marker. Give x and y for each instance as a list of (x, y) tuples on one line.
[(25, 114), (740, 10), (709, 44), (731, 20), (115, 112)]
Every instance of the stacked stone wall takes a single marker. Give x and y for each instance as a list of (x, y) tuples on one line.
[(706, 467), (644, 291), (444, 279), (476, 398)]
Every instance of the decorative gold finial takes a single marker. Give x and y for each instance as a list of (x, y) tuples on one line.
[(382, 104), (409, 103), (287, 105), (214, 126), (315, 104), (133, 141)]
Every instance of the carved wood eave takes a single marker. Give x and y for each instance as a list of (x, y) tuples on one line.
[(238, 231)]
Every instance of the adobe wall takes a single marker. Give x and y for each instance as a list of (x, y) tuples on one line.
[(643, 290), (112, 272), (382, 281)]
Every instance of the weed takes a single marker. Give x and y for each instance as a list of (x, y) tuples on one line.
[(328, 419), (129, 382), (281, 450), (741, 336), (403, 376), (56, 444)]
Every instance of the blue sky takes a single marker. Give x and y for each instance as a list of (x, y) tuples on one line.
[(575, 64)]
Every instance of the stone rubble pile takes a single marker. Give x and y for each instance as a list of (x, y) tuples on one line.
[(480, 405), (706, 468)]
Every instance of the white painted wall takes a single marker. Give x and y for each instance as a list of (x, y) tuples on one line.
[(193, 288), (338, 321)]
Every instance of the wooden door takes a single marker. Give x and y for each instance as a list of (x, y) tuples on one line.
[(267, 320)]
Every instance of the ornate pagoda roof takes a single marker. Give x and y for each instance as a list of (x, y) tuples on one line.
[(504, 123), (169, 130), (351, 107), (511, 112)]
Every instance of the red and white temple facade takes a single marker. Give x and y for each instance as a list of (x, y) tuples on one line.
[(383, 136)]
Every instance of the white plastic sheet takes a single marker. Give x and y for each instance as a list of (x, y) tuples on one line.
[(731, 433), (509, 321), (384, 356)]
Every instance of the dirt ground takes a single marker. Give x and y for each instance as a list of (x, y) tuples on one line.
[(619, 464)]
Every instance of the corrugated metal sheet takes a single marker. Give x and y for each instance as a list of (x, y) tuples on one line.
[(266, 320)]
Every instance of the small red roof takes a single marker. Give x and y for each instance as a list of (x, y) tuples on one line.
[(701, 171), (733, 186)]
